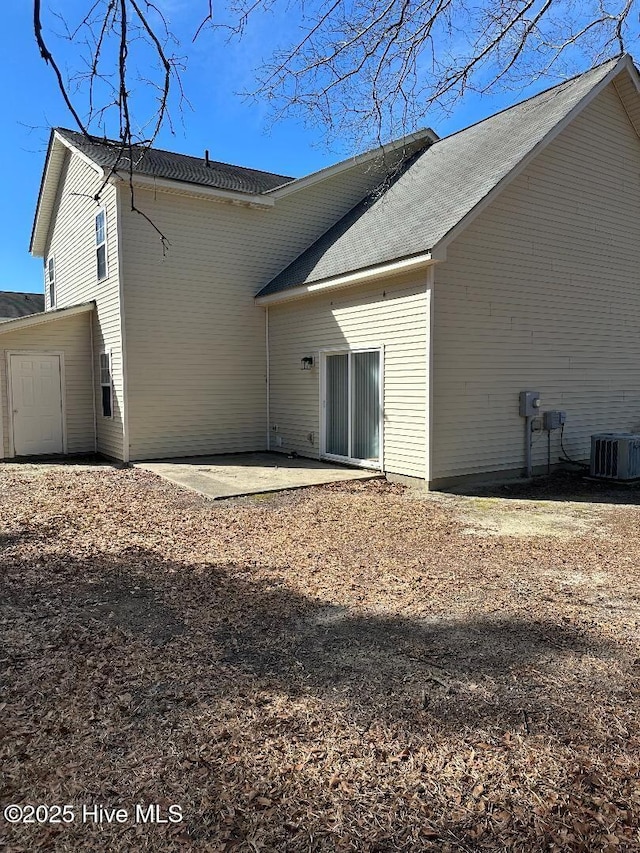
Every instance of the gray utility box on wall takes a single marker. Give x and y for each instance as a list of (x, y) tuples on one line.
[(529, 404), (553, 420)]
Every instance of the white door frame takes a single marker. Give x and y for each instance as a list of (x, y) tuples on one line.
[(2, 406), (63, 397), (360, 463)]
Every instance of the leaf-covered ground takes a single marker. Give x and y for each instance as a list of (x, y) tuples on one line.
[(338, 668)]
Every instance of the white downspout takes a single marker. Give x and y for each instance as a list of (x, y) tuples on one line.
[(123, 336), (93, 382), (429, 376), (266, 321)]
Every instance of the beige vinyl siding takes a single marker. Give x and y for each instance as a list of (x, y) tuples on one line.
[(392, 314), (70, 336), (542, 292), (195, 337), (72, 243)]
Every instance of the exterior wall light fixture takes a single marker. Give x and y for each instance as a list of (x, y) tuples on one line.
[(306, 362)]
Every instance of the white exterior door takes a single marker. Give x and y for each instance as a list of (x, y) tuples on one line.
[(36, 404)]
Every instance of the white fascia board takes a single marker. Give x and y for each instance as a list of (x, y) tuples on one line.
[(625, 63), (336, 168), (51, 175), (85, 159), (19, 323), (350, 279), (46, 198), (182, 188)]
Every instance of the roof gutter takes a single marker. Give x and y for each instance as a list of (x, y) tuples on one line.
[(44, 317), (184, 188), (350, 279)]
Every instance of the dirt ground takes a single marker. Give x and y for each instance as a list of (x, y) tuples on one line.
[(339, 668)]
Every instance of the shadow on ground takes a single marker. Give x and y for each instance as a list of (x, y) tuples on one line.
[(118, 659), (560, 486), (464, 671)]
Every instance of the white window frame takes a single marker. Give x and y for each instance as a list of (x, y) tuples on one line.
[(108, 385), (49, 282), (360, 463), (104, 242)]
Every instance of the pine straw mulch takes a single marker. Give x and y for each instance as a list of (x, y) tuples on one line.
[(337, 668)]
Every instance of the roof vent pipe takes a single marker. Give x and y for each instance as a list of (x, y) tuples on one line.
[(206, 157)]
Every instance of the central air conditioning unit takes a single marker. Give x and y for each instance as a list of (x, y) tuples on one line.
[(615, 456)]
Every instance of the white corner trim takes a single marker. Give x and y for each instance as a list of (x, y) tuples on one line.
[(625, 63), (4, 400), (184, 188), (268, 355), (123, 334), (429, 374), (350, 279), (93, 384), (9, 398)]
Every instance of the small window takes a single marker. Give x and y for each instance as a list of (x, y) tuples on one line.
[(101, 244), (106, 385), (50, 276)]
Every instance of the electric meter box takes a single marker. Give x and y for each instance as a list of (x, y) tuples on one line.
[(553, 420), (529, 404)]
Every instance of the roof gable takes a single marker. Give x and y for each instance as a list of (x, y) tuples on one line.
[(184, 173), (446, 185)]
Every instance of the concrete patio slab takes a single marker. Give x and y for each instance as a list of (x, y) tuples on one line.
[(239, 474)]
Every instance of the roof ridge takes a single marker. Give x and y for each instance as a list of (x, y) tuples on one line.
[(384, 149), (290, 178), (99, 140)]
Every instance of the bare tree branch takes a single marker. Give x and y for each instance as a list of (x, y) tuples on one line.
[(46, 54), (369, 67), (205, 21)]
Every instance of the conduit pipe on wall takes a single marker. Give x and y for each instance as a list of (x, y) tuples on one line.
[(528, 428), (529, 406)]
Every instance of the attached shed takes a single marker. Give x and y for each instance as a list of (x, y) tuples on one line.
[(46, 384)]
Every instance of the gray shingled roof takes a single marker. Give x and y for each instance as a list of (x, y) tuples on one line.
[(14, 305), (155, 162), (438, 189)]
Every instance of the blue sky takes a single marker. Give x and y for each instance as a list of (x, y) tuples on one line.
[(232, 129)]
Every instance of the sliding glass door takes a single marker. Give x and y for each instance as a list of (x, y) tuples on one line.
[(352, 411)]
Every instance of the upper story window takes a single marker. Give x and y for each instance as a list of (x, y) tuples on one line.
[(50, 279), (101, 244)]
